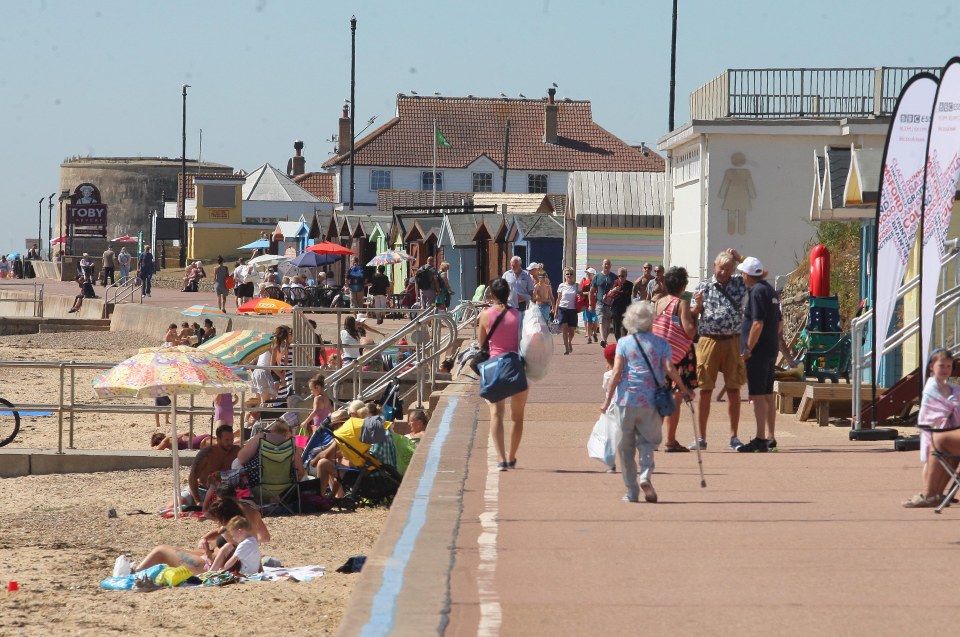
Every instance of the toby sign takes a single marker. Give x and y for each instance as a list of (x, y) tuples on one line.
[(86, 216)]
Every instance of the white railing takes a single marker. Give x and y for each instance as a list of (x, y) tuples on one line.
[(946, 326)]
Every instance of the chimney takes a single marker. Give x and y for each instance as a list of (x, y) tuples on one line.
[(343, 135), (550, 118), (297, 164)]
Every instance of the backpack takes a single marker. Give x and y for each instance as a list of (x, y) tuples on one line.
[(424, 278)]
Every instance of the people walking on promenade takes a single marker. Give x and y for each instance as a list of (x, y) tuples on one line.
[(655, 287), (220, 284), (123, 260), (427, 284), (676, 322), (602, 283), (543, 296), (641, 282), (760, 344), (588, 301), (503, 338), (109, 264), (145, 269), (357, 279), (623, 299), (520, 283), (720, 317), (642, 363), (565, 308)]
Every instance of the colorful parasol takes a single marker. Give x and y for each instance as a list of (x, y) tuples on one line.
[(124, 239), (265, 306), (266, 260), (203, 310), (238, 346), (169, 371), (259, 244), (58, 241), (390, 257), (327, 247)]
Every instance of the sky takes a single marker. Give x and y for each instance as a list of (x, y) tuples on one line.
[(102, 78)]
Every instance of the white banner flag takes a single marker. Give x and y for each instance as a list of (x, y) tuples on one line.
[(943, 171), (899, 209)]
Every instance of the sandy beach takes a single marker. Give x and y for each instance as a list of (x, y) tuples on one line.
[(57, 541)]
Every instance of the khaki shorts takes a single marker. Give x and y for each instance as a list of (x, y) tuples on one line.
[(720, 355)]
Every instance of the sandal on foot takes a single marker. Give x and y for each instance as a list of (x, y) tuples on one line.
[(920, 501), (675, 447)]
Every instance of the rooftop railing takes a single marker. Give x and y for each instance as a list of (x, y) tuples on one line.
[(788, 93)]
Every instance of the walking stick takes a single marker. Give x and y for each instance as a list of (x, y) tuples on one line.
[(703, 483)]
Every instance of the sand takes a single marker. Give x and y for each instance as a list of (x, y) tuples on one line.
[(57, 541)]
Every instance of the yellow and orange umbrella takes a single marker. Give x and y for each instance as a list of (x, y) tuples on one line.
[(265, 306)]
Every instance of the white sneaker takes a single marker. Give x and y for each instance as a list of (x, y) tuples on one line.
[(699, 441)]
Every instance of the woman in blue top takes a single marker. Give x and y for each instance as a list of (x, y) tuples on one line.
[(633, 385)]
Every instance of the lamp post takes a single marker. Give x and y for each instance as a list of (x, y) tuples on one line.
[(49, 227), (673, 66), (353, 97), (40, 222), (183, 184), (64, 196)]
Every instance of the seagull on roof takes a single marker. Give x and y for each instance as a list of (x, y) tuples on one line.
[(412, 92), (437, 93), (502, 94), (555, 85), (522, 95)]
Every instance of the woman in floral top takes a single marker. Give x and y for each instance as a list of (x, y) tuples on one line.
[(634, 385)]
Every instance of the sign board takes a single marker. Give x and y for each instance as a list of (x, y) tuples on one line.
[(86, 215), (167, 230), (29, 243)]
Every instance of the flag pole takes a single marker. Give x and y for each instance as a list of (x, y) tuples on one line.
[(433, 178)]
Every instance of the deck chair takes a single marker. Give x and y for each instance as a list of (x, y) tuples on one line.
[(947, 461), (278, 489), (840, 353)]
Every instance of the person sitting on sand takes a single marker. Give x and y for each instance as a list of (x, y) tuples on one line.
[(171, 337), (210, 459), (243, 549), (201, 559), (161, 441), (185, 333)]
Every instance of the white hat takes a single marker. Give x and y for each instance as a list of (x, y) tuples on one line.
[(533, 266), (591, 271), (751, 266), (361, 318)]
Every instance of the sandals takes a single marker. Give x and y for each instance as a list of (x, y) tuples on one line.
[(675, 447), (920, 501)]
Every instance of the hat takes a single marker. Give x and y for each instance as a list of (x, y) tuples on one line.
[(591, 271), (533, 266), (361, 318), (751, 266), (610, 352), (86, 254), (339, 417)]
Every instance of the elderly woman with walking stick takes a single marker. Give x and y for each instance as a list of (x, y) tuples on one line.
[(642, 365)]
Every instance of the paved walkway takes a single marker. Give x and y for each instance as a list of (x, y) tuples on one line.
[(807, 541)]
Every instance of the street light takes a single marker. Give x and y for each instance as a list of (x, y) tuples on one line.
[(40, 222), (353, 99), (183, 184), (49, 227), (64, 196)]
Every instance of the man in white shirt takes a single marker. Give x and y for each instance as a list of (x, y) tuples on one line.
[(521, 284)]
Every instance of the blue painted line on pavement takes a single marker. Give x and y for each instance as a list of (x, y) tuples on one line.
[(384, 607)]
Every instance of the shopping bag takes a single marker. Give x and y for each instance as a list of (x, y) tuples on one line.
[(501, 377), (604, 440), (536, 345)]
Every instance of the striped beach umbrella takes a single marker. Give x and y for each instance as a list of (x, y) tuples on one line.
[(203, 310), (390, 257)]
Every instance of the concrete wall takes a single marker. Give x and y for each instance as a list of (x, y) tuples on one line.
[(53, 306)]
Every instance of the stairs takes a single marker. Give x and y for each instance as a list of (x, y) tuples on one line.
[(896, 401)]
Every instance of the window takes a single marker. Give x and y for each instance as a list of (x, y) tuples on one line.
[(379, 179), (426, 180), (482, 182), (219, 196), (537, 183)]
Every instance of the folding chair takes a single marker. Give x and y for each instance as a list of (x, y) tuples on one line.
[(950, 463), (278, 481)]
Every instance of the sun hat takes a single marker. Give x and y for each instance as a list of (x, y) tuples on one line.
[(533, 266), (361, 318), (591, 271), (751, 266)]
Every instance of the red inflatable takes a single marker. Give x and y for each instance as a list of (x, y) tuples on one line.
[(819, 271)]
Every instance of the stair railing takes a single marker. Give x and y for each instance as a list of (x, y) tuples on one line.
[(126, 291), (946, 301)]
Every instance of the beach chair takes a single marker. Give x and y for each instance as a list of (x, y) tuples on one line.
[(278, 489), (947, 461)]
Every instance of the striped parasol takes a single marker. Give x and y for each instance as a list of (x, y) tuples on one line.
[(237, 347), (390, 257), (203, 310)]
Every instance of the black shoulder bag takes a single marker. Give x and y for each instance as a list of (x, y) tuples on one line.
[(484, 354)]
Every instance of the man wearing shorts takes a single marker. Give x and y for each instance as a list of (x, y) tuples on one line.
[(718, 348), (600, 286), (760, 344), (590, 301)]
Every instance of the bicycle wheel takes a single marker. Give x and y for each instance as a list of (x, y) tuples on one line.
[(9, 422)]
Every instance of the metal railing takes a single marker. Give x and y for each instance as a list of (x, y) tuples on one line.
[(946, 326), (802, 92), (37, 299), (125, 291)]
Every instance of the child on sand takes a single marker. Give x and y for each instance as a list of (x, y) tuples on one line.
[(245, 559)]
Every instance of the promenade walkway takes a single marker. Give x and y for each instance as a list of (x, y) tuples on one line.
[(807, 541)]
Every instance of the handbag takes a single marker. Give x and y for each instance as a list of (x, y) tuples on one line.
[(502, 376), (665, 327), (662, 397), (484, 354), (229, 282)]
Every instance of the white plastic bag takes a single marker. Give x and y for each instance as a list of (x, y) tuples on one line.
[(536, 344), (605, 438), (122, 566)]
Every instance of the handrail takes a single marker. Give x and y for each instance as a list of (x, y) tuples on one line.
[(945, 301), (125, 290), (37, 296)]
